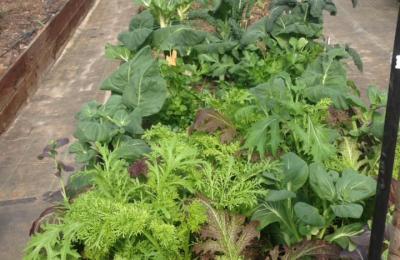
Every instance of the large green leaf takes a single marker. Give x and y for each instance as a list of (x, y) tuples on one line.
[(118, 52), (326, 77), (131, 149), (146, 89), (277, 195), (343, 234), (135, 39), (322, 182), (348, 210), (268, 213), (354, 187), (82, 151), (255, 32), (295, 171), (88, 131), (118, 81), (308, 214), (143, 20), (177, 37)]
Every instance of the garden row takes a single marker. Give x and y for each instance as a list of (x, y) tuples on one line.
[(221, 140)]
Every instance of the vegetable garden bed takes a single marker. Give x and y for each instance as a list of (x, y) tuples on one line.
[(246, 141)]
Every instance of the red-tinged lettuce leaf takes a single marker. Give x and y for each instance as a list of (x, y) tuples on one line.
[(225, 234), (210, 121), (318, 249)]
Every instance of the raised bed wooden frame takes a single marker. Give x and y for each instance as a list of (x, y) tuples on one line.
[(21, 79)]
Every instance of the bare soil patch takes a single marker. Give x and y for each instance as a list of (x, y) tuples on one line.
[(20, 21)]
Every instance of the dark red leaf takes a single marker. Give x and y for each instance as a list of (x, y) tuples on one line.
[(139, 168), (210, 121)]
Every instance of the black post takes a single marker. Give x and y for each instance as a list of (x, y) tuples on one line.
[(387, 154)]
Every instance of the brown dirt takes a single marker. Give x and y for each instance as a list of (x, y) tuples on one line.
[(20, 20)]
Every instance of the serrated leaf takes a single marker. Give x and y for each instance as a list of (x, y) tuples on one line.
[(225, 234), (317, 140), (264, 135)]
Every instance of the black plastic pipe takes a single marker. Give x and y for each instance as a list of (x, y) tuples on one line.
[(387, 154)]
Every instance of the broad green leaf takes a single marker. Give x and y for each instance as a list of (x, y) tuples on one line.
[(146, 89), (308, 214), (177, 37), (121, 118), (131, 149), (118, 52), (135, 123), (83, 153), (268, 213), (354, 187), (255, 32), (118, 81), (88, 131), (135, 39), (321, 182), (277, 195), (349, 210), (89, 111), (295, 171), (215, 47), (343, 234), (326, 77), (143, 20), (272, 93)]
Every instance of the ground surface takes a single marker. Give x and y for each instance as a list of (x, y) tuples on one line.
[(26, 183), (20, 20), (369, 29)]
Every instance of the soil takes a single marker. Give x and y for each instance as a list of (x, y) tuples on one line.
[(20, 21)]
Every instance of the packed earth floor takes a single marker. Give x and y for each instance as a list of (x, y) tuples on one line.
[(27, 185)]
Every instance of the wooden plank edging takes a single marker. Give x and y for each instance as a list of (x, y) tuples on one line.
[(22, 78)]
